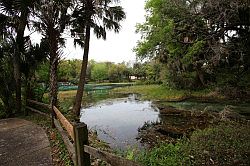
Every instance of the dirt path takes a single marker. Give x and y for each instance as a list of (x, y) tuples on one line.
[(23, 143)]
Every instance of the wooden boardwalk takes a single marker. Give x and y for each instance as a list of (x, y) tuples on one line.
[(23, 143)]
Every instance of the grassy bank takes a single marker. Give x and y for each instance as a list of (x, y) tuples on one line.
[(160, 92), (224, 144)]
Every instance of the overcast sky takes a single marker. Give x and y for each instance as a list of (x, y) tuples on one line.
[(117, 47)]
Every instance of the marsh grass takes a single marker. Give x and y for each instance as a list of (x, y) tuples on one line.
[(160, 92)]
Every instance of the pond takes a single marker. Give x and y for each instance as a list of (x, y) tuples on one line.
[(117, 120), (117, 117)]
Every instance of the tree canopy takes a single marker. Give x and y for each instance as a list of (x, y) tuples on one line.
[(197, 39)]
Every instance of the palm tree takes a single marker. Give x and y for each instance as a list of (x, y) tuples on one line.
[(6, 75), (34, 55), (99, 15), (51, 22), (18, 12)]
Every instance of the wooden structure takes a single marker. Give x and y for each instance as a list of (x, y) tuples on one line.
[(75, 137)]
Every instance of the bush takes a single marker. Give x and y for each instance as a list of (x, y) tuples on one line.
[(224, 144), (164, 155)]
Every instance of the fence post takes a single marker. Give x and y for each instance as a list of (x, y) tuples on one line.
[(81, 139)]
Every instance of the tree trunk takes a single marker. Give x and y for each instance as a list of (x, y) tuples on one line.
[(7, 100), (200, 77), (17, 57), (17, 76), (27, 93), (54, 61), (53, 81), (79, 94)]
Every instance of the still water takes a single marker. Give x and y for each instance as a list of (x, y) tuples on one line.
[(117, 120)]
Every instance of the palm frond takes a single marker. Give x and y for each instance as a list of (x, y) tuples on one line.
[(104, 15)]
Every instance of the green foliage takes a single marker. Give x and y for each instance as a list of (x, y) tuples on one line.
[(162, 92), (69, 70), (164, 155), (195, 49), (153, 92), (99, 72), (223, 144), (195, 44), (7, 81), (119, 72), (167, 37), (42, 72)]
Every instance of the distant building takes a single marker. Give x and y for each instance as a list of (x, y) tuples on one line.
[(132, 77)]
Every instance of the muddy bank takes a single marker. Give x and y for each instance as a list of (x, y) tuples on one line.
[(177, 123)]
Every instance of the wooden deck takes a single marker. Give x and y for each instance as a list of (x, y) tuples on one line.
[(23, 143)]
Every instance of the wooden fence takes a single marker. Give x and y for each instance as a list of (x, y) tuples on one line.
[(75, 137)]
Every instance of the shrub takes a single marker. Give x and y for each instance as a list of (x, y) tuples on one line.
[(164, 155), (224, 144)]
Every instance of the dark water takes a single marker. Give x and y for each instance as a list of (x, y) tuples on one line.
[(117, 120)]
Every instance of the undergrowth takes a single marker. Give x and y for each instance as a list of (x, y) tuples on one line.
[(224, 144)]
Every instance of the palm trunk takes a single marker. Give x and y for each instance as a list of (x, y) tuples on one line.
[(27, 93), (17, 59), (79, 94), (17, 76), (53, 81), (53, 73)]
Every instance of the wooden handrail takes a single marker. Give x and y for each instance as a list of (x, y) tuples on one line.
[(80, 150), (47, 106), (37, 111), (108, 157), (69, 145), (65, 123)]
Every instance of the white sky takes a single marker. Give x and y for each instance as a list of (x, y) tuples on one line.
[(118, 46)]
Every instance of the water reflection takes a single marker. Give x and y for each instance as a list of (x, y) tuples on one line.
[(117, 120)]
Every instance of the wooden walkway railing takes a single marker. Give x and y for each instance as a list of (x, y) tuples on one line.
[(75, 137)]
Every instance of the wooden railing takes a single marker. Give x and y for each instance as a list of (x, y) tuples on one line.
[(75, 137)]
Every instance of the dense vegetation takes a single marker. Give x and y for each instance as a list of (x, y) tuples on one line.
[(223, 144), (24, 65), (197, 43), (96, 72), (186, 45)]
